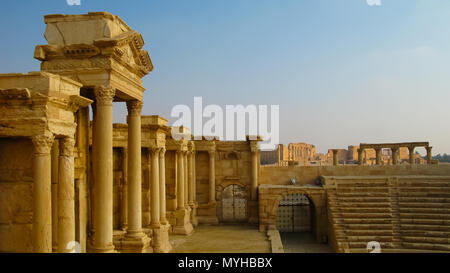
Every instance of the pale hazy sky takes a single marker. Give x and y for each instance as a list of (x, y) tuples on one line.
[(343, 72)]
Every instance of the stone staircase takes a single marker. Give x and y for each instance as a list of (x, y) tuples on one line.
[(424, 212), (400, 213)]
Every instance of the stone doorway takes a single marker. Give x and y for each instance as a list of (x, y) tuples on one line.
[(234, 204), (294, 214)]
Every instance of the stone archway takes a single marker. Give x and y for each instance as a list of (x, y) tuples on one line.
[(295, 213), (234, 204)]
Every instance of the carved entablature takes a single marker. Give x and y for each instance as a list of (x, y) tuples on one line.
[(103, 51)]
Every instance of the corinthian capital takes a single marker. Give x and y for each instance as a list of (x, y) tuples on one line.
[(43, 143), (134, 107), (66, 146), (162, 153), (104, 95)]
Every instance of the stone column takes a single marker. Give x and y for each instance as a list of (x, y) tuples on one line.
[(212, 177), (42, 196), (394, 156), (180, 181), (254, 191), (335, 157), (186, 180), (55, 167), (360, 156), (134, 230), (155, 209), (411, 155), (66, 195), (162, 186), (194, 155), (124, 211), (191, 178), (102, 239), (378, 156), (429, 155)]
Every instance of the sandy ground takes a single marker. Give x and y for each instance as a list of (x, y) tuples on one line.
[(302, 243), (222, 239)]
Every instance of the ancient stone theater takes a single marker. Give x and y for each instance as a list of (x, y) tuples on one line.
[(71, 180)]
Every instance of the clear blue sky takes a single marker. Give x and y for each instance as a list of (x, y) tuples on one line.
[(343, 72)]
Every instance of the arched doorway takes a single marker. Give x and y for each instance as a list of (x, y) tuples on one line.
[(294, 214), (234, 204)]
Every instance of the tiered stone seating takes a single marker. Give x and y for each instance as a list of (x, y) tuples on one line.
[(361, 212), (424, 211), (403, 214)]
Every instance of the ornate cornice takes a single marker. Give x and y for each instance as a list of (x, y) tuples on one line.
[(104, 95)]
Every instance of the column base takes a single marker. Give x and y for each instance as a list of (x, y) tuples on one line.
[(160, 240), (133, 243), (183, 224), (194, 219), (92, 248)]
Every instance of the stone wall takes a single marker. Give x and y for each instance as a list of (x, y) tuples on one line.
[(16, 195), (308, 174)]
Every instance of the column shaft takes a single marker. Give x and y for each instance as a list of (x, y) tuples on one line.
[(335, 157), (212, 177), (186, 180), (55, 178), (429, 155), (360, 156), (155, 209), (134, 169), (394, 156), (66, 195), (411, 155), (180, 181), (124, 210), (191, 178), (102, 239), (162, 186), (378, 156), (254, 175), (42, 196)]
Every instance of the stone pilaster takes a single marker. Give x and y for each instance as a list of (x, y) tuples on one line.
[(102, 238), (66, 195), (42, 197)]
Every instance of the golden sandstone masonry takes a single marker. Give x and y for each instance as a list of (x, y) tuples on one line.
[(71, 183)]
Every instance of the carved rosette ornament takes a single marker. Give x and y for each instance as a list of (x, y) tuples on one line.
[(66, 146), (104, 95), (134, 107), (43, 144)]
